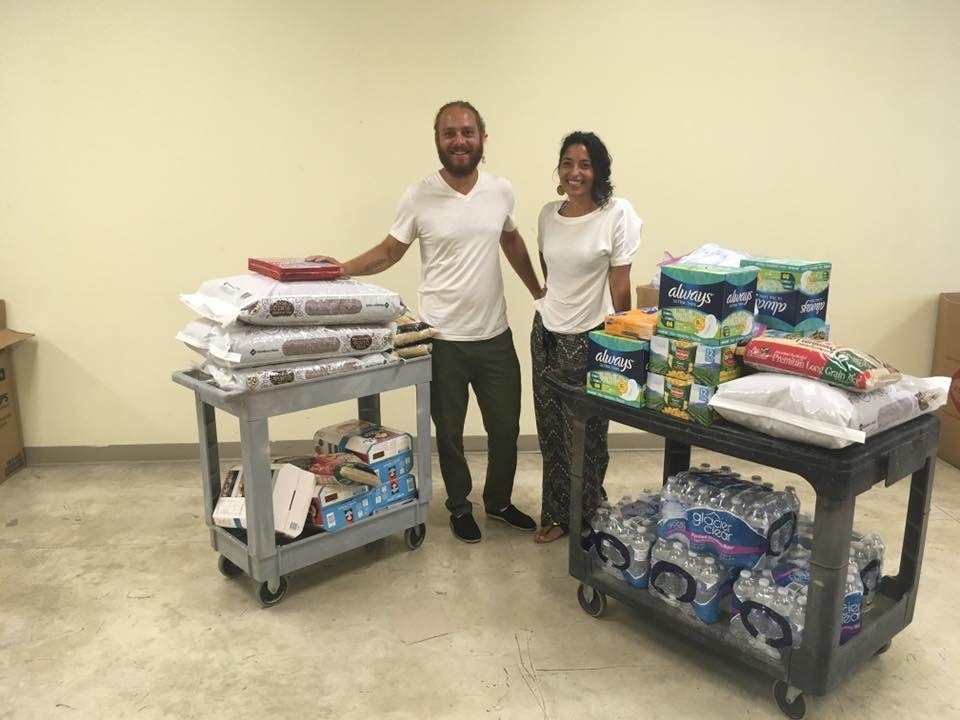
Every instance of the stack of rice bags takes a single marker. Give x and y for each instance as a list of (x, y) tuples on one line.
[(256, 332), (820, 393)]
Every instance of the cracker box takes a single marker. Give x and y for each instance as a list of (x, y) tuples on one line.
[(292, 493), (617, 368), (681, 397), (708, 304), (394, 491), (638, 324), (791, 294), (705, 364), (370, 442)]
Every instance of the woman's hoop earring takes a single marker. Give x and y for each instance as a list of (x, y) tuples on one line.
[(559, 189)]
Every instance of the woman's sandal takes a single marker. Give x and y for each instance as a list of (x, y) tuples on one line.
[(550, 533)]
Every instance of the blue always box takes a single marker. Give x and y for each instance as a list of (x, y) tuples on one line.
[(617, 368), (792, 294), (708, 304)]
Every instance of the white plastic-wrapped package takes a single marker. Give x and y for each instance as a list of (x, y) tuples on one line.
[(812, 412), (259, 300), (248, 345), (256, 379)]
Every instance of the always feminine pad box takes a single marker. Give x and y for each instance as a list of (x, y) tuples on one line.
[(707, 303), (792, 294), (617, 368)]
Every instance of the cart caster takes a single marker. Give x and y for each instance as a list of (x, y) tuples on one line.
[(884, 647), (268, 598), (414, 536), (794, 708), (596, 605), (227, 568)]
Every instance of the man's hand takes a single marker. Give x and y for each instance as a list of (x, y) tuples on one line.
[(323, 259)]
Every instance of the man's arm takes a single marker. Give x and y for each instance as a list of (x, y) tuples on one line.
[(516, 252), (620, 287), (376, 259)]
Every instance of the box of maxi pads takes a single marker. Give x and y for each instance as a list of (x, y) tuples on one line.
[(708, 304), (680, 397), (617, 367), (792, 294), (703, 364)]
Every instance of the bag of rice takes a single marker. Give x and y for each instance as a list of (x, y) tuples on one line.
[(255, 379), (821, 360), (248, 345), (811, 412), (259, 300)]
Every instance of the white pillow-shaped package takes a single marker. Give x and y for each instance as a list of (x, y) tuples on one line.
[(812, 412), (259, 300), (242, 345)]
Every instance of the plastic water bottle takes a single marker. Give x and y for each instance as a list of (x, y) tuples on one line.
[(798, 618), (850, 621), (639, 560), (872, 571)]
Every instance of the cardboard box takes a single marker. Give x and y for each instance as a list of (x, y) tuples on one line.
[(617, 368), (11, 435), (337, 508), (707, 303), (704, 364), (647, 296), (681, 398), (370, 442), (946, 362), (394, 491), (292, 493)]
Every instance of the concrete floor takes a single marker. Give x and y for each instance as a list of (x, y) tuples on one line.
[(111, 606)]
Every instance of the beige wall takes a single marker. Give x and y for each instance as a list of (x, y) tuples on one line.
[(148, 146)]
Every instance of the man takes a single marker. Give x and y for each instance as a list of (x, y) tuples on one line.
[(461, 216)]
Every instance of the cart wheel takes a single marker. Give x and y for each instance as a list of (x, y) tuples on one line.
[(414, 536), (795, 708), (268, 598), (884, 647), (227, 568), (596, 605)]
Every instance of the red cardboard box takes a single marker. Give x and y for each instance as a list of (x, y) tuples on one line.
[(946, 362)]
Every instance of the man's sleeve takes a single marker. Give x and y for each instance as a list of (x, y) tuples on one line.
[(626, 235), (404, 226)]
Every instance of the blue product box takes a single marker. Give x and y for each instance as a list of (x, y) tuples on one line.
[(707, 304), (792, 294), (334, 508), (617, 368), (396, 466), (394, 491)]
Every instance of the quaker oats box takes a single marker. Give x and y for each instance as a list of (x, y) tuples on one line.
[(707, 304), (792, 294), (707, 365), (617, 368), (681, 397)]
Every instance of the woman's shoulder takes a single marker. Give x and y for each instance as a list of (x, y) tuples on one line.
[(551, 208)]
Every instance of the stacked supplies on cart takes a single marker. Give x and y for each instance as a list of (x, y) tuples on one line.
[(821, 393), (292, 493), (413, 338), (256, 332), (715, 545), (361, 468)]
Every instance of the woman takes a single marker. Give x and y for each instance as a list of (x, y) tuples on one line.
[(587, 242)]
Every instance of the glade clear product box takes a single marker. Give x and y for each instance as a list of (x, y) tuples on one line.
[(704, 364), (792, 294), (708, 304), (617, 368)]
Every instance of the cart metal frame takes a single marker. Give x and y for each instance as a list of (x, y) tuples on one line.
[(837, 477), (260, 556)]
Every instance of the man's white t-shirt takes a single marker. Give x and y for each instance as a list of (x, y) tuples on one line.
[(579, 252), (461, 287)]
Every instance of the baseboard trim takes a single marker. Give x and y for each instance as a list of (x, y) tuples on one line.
[(182, 452)]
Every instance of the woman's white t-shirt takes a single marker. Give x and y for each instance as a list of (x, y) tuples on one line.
[(579, 252)]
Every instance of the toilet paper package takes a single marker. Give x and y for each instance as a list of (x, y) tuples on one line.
[(707, 304)]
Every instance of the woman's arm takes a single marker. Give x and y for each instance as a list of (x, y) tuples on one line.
[(620, 287)]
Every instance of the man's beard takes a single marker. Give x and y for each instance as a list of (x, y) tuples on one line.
[(446, 159)]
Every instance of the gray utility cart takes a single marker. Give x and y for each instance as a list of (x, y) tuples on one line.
[(255, 551), (837, 476)]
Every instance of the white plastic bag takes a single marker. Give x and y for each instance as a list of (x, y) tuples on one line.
[(256, 379), (812, 412)]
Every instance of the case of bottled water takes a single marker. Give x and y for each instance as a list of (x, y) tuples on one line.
[(622, 535), (692, 581)]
